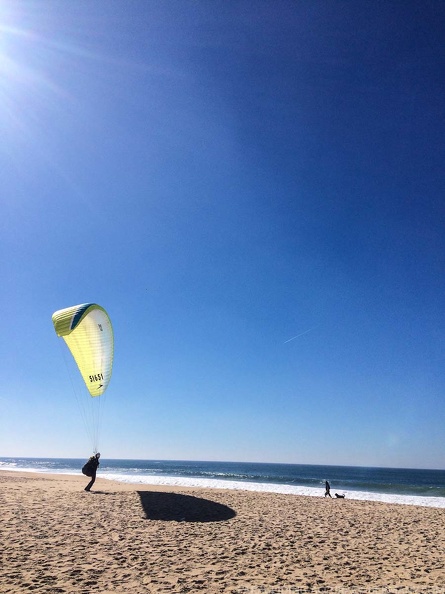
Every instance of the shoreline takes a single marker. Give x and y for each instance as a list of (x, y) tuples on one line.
[(250, 486), (153, 539)]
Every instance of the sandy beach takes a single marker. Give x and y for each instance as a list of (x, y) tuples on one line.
[(56, 538)]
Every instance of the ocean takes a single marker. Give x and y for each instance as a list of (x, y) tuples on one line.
[(390, 485)]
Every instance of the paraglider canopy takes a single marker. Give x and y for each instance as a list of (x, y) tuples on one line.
[(87, 331)]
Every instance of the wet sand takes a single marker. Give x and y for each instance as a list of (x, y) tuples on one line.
[(56, 538)]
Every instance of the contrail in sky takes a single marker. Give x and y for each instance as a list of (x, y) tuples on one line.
[(301, 334)]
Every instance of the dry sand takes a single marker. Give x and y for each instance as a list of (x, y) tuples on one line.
[(55, 538)]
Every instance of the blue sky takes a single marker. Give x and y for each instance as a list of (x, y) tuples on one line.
[(223, 177)]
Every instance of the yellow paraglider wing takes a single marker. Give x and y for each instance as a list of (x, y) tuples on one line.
[(87, 331)]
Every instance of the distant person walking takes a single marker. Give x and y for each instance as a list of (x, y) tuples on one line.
[(90, 469), (328, 490)]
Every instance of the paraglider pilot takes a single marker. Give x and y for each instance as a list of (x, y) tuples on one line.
[(90, 469)]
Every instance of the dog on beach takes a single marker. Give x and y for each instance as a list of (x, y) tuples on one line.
[(339, 496)]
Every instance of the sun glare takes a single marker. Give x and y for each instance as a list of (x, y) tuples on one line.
[(19, 78), (31, 64)]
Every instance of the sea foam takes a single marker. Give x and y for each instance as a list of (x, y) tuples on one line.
[(272, 488)]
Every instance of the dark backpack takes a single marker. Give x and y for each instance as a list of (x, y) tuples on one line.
[(88, 469)]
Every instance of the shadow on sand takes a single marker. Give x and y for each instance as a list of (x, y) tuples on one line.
[(174, 507)]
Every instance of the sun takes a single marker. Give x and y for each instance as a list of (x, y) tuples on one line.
[(32, 59), (21, 80)]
